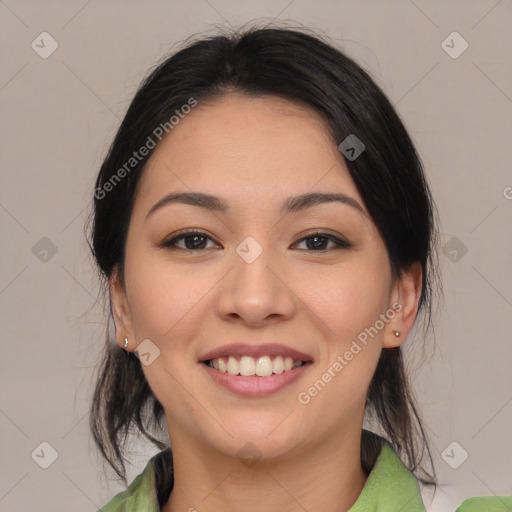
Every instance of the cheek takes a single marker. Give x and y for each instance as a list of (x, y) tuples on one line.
[(347, 299), (170, 304), (346, 304), (159, 298)]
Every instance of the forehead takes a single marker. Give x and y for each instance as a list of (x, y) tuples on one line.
[(248, 149)]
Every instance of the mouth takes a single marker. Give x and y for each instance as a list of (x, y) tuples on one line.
[(255, 370), (247, 366), (247, 360)]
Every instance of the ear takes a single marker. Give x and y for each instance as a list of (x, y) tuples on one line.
[(121, 310), (405, 296)]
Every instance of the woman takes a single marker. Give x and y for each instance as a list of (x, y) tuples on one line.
[(269, 239)]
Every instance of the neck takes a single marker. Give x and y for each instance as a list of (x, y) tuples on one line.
[(327, 477)]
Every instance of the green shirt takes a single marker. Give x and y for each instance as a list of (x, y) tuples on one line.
[(390, 487)]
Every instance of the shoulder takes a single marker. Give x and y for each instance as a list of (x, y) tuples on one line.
[(390, 485), (486, 504), (451, 498), (140, 496)]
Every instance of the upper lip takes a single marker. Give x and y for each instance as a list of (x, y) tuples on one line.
[(252, 350)]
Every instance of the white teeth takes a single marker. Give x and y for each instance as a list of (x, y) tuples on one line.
[(278, 365), (233, 366), (247, 366), (262, 366)]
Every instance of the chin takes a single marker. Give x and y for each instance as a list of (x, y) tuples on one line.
[(250, 443)]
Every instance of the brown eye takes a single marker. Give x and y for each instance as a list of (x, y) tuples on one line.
[(193, 240), (317, 242)]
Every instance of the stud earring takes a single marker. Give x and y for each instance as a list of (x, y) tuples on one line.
[(397, 333), (126, 343)]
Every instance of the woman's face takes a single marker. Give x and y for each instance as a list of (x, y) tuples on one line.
[(256, 275)]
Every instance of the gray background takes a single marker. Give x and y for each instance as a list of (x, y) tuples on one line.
[(59, 116)]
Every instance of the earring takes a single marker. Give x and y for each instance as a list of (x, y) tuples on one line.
[(397, 333), (125, 343)]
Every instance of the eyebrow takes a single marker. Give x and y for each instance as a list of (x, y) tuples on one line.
[(291, 205)]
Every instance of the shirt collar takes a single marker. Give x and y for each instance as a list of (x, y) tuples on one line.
[(390, 487)]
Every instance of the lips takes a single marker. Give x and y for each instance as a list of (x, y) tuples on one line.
[(255, 351)]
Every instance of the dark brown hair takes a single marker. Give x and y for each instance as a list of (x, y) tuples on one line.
[(301, 67)]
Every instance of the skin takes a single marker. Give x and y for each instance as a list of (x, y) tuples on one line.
[(255, 153)]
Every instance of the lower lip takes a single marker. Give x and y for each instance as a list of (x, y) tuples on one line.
[(254, 385)]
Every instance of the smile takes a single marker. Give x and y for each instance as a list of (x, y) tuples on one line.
[(253, 385), (248, 366)]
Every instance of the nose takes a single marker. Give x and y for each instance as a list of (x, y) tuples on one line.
[(256, 293)]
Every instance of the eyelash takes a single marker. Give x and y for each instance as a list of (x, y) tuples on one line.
[(171, 243)]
